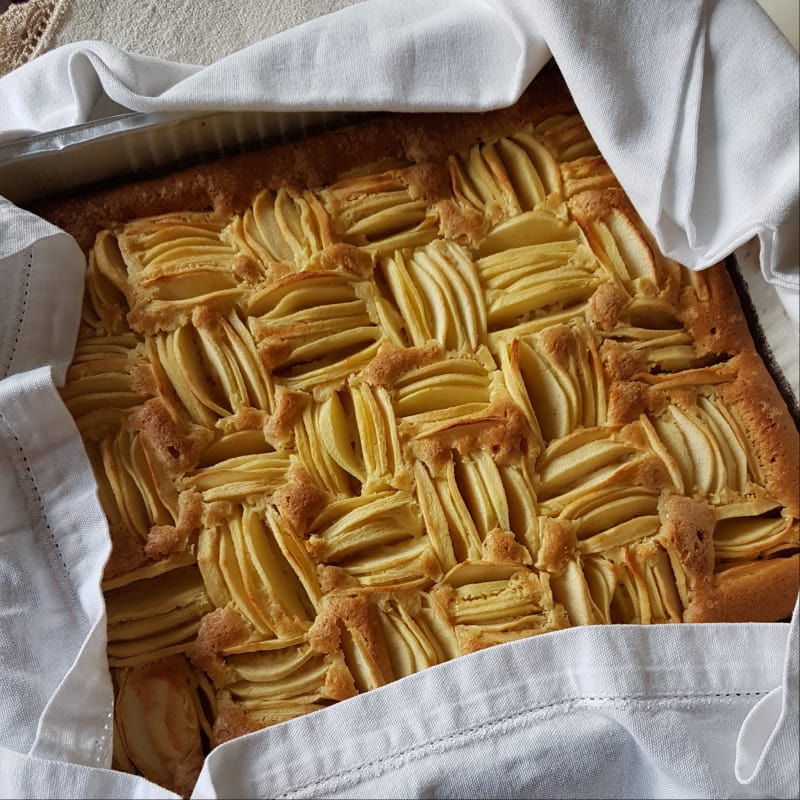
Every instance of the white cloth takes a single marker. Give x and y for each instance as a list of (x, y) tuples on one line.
[(662, 711)]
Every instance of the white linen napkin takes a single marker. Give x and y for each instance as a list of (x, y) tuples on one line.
[(678, 711)]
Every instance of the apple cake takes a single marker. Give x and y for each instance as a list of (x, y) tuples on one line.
[(364, 402)]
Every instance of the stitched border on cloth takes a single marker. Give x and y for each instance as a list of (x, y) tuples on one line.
[(9, 349), (375, 769), (37, 512)]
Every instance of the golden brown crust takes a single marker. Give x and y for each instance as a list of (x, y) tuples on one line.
[(761, 591), (356, 617), (300, 500), (339, 684), (347, 257), (594, 204), (220, 629), (687, 526), (502, 430), (620, 363), (333, 578), (502, 546), (231, 721), (289, 406), (627, 400), (606, 305), (759, 405), (391, 363), (711, 312), (175, 443), (557, 545), (164, 540)]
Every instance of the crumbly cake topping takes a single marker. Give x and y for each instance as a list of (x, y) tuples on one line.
[(355, 425)]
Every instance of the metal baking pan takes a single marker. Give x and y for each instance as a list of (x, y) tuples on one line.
[(141, 144)]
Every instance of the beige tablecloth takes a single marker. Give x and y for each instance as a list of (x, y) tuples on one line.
[(168, 29)]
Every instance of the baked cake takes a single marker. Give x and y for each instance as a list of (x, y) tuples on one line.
[(366, 402)]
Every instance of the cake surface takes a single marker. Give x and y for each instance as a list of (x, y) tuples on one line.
[(363, 403)]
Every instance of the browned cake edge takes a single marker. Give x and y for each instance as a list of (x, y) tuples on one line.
[(761, 591), (719, 324)]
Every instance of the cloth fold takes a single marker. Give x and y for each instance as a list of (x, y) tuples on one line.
[(768, 737), (55, 690), (709, 156), (661, 711)]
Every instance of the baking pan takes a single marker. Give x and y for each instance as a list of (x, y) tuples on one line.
[(139, 144)]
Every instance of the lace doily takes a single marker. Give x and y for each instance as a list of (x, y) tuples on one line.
[(27, 29)]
